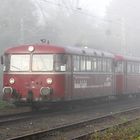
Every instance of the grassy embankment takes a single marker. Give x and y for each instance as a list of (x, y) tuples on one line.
[(4, 105), (129, 132)]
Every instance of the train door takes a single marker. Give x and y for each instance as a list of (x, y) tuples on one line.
[(119, 77)]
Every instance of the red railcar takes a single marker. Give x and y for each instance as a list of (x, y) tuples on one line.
[(52, 73), (49, 73), (127, 75)]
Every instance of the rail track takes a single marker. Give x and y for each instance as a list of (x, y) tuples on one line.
[(12, 118), (84, 128), (24, 116), (19, 117)]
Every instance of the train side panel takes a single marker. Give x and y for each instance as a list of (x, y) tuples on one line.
[(120, 83), (92, 85), (133, 83)]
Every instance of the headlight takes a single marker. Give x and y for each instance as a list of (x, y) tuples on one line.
[(45, 91), (12, 81), (7, 90), (31, 48), (49, 80)]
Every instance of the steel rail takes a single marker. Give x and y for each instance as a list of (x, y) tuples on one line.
[(11, 118), (68, 127)]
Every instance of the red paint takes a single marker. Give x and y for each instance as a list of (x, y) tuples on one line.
[(72, 85), (25, 82), (119, 84)]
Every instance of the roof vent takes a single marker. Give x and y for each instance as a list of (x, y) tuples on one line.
[(95, 53), (103, 54), (83, 51), (43, 40)]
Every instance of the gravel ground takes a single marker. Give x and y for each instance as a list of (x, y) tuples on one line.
[(53, 121), (14, 110)]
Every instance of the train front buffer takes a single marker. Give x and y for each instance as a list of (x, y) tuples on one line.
[(28, 88)]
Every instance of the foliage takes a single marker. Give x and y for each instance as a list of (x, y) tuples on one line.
[(130, 132), (17, 22), (4, 105)]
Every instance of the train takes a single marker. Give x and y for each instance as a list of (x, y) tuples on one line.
[(44, 73)]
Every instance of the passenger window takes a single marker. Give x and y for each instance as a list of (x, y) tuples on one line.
[(94, 64), (60, 62), (89, 66), (104, 65), (139, 68), (99, 64), (136, 68), (109, 65), (119, 67), (76, 63), (128, 68), (133, 68), (83, 63)]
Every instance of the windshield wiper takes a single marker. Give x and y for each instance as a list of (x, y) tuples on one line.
[(15, 67)]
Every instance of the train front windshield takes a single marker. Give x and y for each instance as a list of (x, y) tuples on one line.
[(17, 62), (42, 62), (35, 62)]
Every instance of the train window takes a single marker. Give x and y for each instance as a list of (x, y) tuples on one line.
[(128, 67), (94, 64), (139, 68), (99, 64), (42, 62), (60, 62), (88, 64), (19, 62), (6, 63), (133, 68), (119, 67), (109, 65), (83, 63), (104, 65), (76, 63), (136, 68), (68, 63)]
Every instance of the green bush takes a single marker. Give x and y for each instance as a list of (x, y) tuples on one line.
[(130, 132), (4, 104)]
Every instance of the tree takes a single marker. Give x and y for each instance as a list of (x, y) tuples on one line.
[(17, 22), (125, 15)]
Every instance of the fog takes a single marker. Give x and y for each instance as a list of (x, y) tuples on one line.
[(112, 26)]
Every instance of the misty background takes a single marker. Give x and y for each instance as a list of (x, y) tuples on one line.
[(71, 22)]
